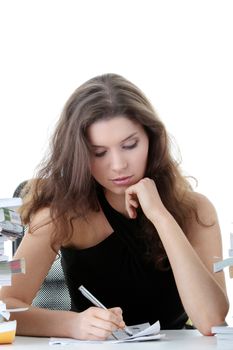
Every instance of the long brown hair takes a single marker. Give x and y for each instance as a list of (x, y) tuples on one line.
[(64, 182)]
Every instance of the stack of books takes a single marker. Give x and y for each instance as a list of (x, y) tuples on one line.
[(224, 336), (10, 229), (224, 333)]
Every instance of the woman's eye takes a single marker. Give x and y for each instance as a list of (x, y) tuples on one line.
[(131, 145), (99, 154)]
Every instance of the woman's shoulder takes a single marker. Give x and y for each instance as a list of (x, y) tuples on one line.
[(205, 208), (41, 219), (203, 224)]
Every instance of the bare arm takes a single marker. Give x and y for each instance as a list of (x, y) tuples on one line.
[(202, 292), (93, 323)]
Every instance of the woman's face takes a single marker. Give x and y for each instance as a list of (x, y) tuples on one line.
[(119, 153)]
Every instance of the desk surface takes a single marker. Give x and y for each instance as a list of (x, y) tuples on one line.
[(173, 340)]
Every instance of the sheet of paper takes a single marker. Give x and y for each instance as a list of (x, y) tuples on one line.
[(142, 332), (5, 313)]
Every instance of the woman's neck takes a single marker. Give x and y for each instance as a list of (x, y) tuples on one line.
[(117, 202)]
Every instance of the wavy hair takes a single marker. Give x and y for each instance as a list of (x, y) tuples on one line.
[(64, 182)]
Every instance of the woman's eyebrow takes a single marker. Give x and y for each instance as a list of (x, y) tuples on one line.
[(122, 141), (129, 137)]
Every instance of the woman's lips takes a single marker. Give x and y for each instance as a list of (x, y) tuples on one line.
[(122, 181)]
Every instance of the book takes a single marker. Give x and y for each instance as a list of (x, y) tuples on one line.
[(10, 203), (224, 335), (10, 223), (7, 268), (222, 329)]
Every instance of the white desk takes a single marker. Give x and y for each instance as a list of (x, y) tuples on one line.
[(174, 340)]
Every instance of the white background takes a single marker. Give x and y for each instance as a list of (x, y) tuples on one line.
[(178, 52)]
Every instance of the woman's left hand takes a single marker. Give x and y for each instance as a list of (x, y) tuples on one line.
[(145, 194)]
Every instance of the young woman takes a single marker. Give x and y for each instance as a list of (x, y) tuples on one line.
[(111, 199)]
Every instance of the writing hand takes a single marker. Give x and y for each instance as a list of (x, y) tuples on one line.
[(97, 324)]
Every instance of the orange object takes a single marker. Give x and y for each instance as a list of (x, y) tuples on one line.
[(7, 332)]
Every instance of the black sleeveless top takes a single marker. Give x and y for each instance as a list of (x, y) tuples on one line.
[(116, 272)]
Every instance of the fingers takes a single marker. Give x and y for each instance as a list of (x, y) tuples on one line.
[(118, 312), (131, 202), (97, 323), (112, 316), (145, 194)]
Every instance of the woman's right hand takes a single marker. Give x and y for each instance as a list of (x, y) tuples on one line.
[(96, 323)]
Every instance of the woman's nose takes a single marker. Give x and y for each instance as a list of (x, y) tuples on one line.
[(118, 162)]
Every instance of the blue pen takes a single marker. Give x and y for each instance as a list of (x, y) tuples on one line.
[(96, 302)]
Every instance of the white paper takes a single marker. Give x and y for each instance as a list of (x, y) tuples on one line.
[(142, 332), (5, 313)]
